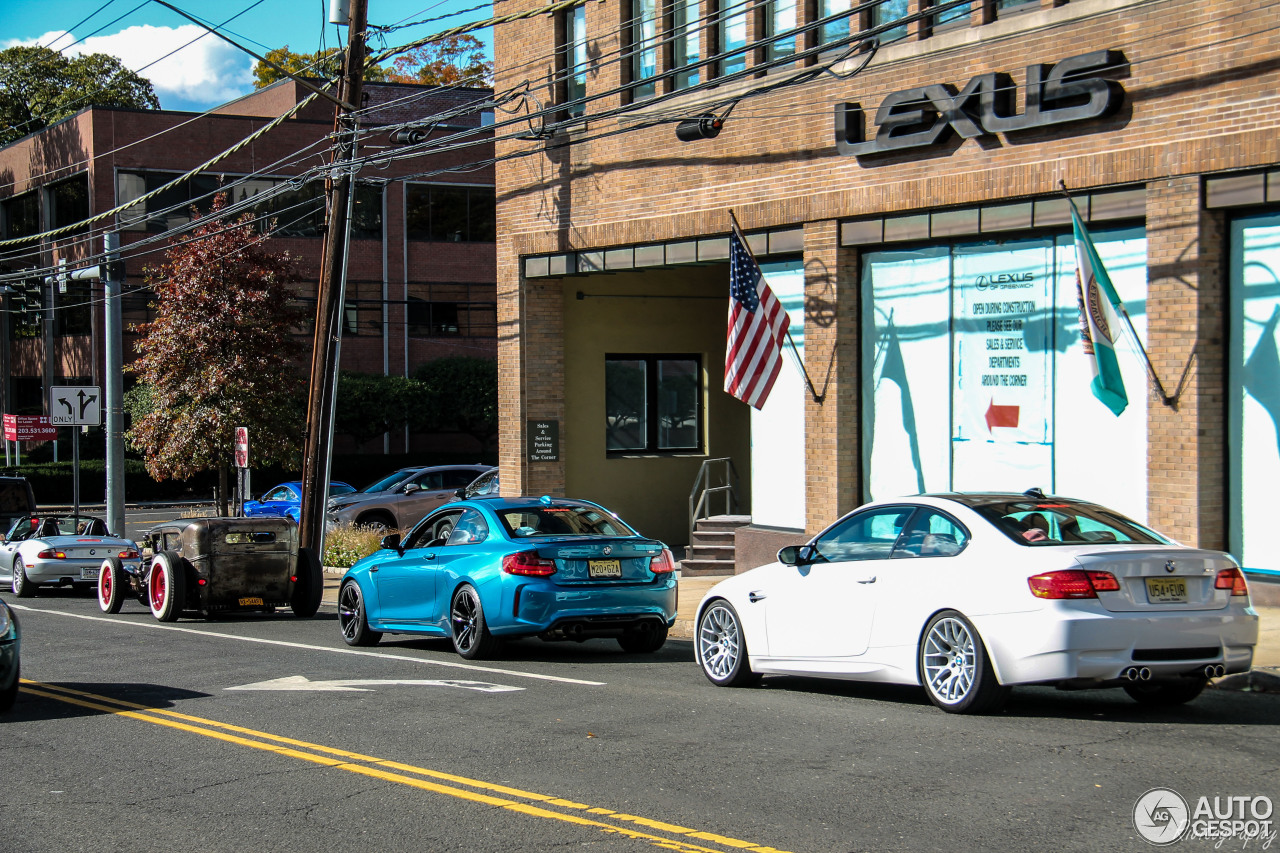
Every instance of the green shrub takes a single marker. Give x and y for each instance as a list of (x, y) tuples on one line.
[(347, 543)]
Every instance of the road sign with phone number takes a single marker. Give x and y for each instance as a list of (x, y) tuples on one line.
[(75, 405)]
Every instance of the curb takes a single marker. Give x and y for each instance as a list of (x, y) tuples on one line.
[(1263, 679)]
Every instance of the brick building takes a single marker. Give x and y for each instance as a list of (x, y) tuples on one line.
[(421, 266), (905, 204)]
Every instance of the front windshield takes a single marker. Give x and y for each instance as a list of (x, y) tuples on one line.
[(561, 520), (1058, 522), (389, 482)]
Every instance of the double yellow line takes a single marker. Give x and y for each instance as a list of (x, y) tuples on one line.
[(677, 838)]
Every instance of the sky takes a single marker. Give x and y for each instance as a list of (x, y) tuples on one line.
[(205, 71)]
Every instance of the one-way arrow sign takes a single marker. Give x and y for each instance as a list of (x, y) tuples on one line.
[(363, 685)]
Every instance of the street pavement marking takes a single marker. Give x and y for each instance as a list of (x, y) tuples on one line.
[(342, 651), (295, 683), (254, 739)]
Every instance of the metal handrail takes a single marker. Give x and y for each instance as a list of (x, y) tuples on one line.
[(702, 490)]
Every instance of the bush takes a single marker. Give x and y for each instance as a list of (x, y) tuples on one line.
[(347, 543)]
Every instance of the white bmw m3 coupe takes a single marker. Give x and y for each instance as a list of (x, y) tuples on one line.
[(971, 594)]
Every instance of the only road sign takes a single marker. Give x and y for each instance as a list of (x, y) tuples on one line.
[(75, 405)]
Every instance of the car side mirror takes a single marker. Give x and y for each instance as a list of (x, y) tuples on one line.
[(411, 488), (795, 555), (460, 492), (391, 542)]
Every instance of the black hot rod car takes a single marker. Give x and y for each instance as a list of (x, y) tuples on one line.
[(216, 565)]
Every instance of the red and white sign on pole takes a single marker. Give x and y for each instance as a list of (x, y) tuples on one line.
[(28, 428), (242, 447)]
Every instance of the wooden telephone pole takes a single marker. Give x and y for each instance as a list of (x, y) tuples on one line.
[(326, 347)]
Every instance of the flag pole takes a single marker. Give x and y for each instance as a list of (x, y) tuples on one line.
[(1124, 312), (804, 371)]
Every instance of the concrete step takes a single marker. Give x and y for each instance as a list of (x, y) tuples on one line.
[(706, 568), (722, 522), (713, 537), (721, 553)]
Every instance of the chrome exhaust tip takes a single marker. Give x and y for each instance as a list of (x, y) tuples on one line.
[(1144, 674), (1131, 673), (1215, 671)]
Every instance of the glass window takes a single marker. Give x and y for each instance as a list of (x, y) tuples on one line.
[(73, 310), (575, 58), (430, 480), (687, 42), (1054, 521), (366, 214), (868, 535), (69, 201), (644, 50), (780, 17), (432, 319), (653, 403), (433, 530), (562, 520), (626, 403), (451, 214), (1016, 5), (933, 534), (21, 215), (956, 16), (470, 529), (838, 28), (888, 12), (733, 36)]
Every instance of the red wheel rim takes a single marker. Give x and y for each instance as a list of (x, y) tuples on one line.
[(105, 583), (158, 588)]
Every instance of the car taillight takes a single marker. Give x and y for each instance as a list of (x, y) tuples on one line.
[(662, 564), (51, 554), (528, 563), (128, 554), (1232, 579), (1072, 583)]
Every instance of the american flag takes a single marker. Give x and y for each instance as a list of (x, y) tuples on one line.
[(757, 328)]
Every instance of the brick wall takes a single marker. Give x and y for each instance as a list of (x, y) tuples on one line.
[(1201, 95)]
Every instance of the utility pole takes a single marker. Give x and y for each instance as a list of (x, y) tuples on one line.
[(329, 296), (113, 381)]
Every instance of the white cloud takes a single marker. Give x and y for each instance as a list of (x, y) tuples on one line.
[(204, 73)]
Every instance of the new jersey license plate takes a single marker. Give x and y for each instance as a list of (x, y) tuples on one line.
[(89, 574), (1167, 590), (604, 568), (251, 602)]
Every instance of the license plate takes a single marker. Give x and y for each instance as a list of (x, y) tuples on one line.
[(89, 574), (1167, 590), (251, 602), (604, 568)]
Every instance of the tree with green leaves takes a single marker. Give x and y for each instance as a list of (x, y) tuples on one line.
[(39, 87), (370, 405), (460, 395), (453, 61), (219, 354), (325, 63)]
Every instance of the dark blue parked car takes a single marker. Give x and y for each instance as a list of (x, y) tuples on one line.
[(481, 570), (286, 499)]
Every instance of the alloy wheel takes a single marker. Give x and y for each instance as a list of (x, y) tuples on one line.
[(949, 663), (719, 642)]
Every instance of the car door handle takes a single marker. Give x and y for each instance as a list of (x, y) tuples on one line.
[(871, 579), (755, 596), (372, 570)]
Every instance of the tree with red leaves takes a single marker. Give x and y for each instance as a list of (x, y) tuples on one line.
[(219, 354)]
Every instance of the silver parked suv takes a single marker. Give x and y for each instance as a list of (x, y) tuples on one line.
[(398, 501)]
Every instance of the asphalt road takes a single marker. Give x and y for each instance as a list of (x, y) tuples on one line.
[(133, 737)]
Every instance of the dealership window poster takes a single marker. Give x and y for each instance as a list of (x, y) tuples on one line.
[(978, 381), (1255, 382), (777, 429)]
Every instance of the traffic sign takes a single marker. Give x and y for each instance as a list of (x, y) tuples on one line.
[(75, 405), (242, 447), (28, 428)]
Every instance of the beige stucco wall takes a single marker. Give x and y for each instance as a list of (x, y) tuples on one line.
[(661, 311)]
